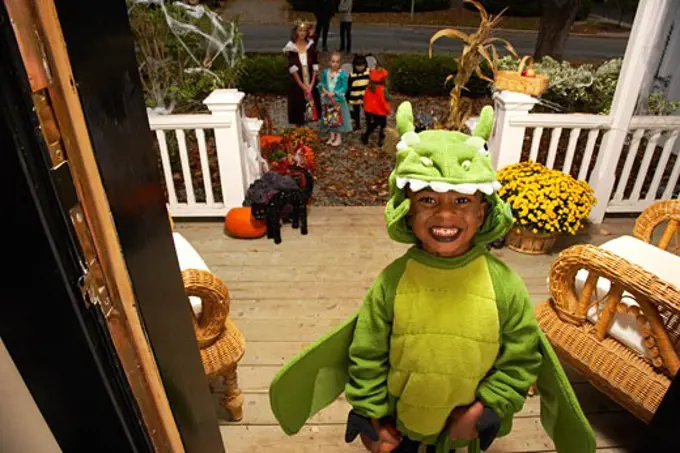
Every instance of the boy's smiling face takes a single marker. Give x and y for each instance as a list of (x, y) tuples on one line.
[(445, 223)]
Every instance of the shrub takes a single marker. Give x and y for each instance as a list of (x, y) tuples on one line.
[(420, 75), (265, 74), (582, 88), (378, 5)]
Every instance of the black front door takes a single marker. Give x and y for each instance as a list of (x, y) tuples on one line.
[(58, 342)]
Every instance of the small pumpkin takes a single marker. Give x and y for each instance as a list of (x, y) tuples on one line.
[(240, 223)]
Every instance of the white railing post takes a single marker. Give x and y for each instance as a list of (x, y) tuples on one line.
[(505, 142), (225, 103), (649, 18), (252, 131)]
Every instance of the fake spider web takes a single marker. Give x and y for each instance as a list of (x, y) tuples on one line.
[(220, 42)]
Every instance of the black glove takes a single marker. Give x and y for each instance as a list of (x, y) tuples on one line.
[(487, 428), (358, 424)]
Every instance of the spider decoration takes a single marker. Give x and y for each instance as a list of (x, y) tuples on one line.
[(293, 200)]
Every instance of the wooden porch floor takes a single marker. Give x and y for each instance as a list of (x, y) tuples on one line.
[(288, 295)]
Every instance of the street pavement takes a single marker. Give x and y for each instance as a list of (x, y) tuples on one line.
[(403, 39)]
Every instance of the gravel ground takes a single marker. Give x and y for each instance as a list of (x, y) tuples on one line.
[(354, 174)]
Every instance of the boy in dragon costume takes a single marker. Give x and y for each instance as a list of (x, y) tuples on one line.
[(445, 346)]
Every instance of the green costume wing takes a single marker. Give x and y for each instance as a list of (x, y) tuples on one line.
[(313, 379), (317, 376), (561, 414)]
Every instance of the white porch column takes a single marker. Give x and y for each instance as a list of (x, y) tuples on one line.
[(649, 19), (505, 142), (225, 104)]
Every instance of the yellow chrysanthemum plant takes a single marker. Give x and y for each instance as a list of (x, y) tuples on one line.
[(545, 200)]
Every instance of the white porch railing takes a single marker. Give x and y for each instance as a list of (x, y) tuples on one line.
[(645, 170), (208, 160)]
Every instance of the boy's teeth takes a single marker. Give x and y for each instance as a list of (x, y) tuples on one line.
[(445, 231)]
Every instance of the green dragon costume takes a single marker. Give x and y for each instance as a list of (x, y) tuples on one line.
[(437, 333)]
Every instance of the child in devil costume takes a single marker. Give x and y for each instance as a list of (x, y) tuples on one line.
[(376, 105), (445, 346)]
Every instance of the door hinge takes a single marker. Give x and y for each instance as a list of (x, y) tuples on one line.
[(92, 283)]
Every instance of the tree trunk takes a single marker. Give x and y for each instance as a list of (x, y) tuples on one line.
[(557, 17)]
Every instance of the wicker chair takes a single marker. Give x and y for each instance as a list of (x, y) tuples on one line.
[(638, 382), (220, 342)]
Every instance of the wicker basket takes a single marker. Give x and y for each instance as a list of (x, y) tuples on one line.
[(515, 81), (523, 240)]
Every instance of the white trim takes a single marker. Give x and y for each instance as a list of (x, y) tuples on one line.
[(192, 121), (293, 69), (417, 185), (567, 121)]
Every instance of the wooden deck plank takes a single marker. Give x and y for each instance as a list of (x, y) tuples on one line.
[(285, 296), (527, 436), (257, 410), (277, 353)]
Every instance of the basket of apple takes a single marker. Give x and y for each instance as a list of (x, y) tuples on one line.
[(524, 80)]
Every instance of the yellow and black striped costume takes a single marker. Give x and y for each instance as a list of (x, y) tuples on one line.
[(358, 81)]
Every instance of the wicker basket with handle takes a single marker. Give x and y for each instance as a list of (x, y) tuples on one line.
[(515, 81)]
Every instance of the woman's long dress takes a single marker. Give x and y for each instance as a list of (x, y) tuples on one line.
[(305, 64)]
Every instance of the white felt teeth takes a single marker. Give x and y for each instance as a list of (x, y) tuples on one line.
[(402, 146), (417, 185)]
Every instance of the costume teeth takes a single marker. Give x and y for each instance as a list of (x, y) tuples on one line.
[(417, 185)]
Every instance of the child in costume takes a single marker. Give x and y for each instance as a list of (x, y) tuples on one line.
[(358, 81), (445, 346), (376, 105), (333, 87)]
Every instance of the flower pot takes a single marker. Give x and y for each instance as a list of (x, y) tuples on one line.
[(524, 240)]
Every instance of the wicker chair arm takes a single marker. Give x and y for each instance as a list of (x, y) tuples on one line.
[(654, 215), (214, 304), (633, 278)]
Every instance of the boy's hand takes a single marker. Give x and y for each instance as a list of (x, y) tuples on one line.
[(475, 421), (376, 438), (464, 421)]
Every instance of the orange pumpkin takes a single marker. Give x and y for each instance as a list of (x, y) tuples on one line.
[(240, 223)]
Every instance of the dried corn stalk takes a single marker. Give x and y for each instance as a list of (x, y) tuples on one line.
[(477, 44)]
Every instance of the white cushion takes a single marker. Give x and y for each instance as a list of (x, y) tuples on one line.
[(665, 265), (189, 258)]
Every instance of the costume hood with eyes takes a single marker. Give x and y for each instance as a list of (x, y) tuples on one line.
[(444, 160), (436, 333)]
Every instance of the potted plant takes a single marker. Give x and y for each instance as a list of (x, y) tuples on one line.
[(545, 203)]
